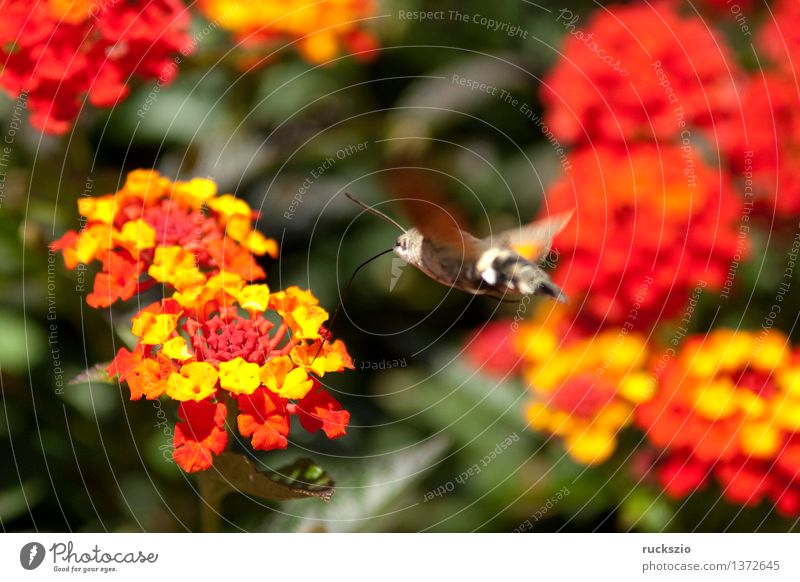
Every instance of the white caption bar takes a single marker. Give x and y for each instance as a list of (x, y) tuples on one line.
[(355, 557)]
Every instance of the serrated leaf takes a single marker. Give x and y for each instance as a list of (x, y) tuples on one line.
[(368, 491), (233, 472)]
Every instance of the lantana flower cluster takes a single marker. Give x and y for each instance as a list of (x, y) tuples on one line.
[(320, 30), (676, 158), (215, 347), (220, 340), (761, 144), (586, 385), (59, 55), (650, 223), (728, 407), (55, 53), (155, 231), (641, 71)]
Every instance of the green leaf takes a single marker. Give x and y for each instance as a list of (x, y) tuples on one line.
[(233, 472), (646, 510), (92, 399), (368, 490), (303, 478), (477, 409), (438, 101), (20, 499)]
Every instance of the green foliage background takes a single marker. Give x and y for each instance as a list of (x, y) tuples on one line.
[(84, 458)]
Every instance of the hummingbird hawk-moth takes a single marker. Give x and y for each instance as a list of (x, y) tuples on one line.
[(503, 266)]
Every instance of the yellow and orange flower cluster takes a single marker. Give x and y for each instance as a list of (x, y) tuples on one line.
[(723, 405), (585, 385), (729, 406), (219, 339), (214, 345), (156, 231), (321, 29), (59, 55)]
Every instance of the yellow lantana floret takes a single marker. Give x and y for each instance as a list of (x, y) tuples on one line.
[(154, 328), (254, 298), (280, 376), (239, 376), (196, 381)]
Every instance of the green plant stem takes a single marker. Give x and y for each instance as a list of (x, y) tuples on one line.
[(212, 492)]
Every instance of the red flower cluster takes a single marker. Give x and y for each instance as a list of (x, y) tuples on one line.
[(743, 480), (762, 145), (779, 37), (728, 407), (173, 233), (56, 51), (639, 71), (651, 223)]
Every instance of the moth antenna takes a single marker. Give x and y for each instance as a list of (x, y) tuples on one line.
[(346, 289), (375, 211)]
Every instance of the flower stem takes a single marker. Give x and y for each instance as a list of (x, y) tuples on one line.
[(212, 492)]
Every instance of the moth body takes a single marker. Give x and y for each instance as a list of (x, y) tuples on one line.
[(479, 267)]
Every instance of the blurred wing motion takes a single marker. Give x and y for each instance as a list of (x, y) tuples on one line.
[(533, 241), (419, 194)]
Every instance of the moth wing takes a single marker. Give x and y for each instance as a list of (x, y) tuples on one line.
[(419, 193), (533, 241)]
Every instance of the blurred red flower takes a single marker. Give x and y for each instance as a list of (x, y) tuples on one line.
[(490, 349), (779, 37), (653, 225), (56, 51), (763, 143), (638, 71)]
